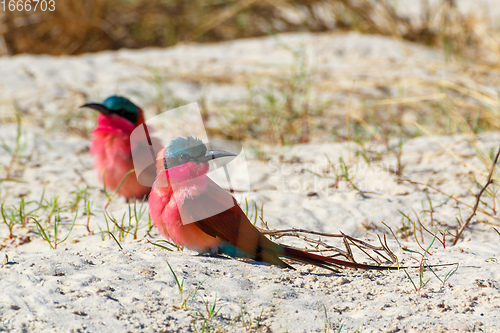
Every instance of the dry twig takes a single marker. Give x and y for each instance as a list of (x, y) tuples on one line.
[(451, 196), (377, 254), (478, 198)]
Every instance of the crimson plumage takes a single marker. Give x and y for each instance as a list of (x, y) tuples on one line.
[(192, 211), (112, 147)]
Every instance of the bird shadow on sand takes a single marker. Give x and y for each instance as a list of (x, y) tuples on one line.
[(340, 273)]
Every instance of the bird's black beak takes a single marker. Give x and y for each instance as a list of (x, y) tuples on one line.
[(214, 154), (98, 107)]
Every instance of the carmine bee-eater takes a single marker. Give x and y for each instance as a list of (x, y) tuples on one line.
[(192, 211), (112, 148)]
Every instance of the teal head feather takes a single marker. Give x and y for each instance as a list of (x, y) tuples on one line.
[(123, 107), (183, 150), (190, 146)]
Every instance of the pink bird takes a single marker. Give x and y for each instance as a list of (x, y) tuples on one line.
[(192, 211), (112, 148)]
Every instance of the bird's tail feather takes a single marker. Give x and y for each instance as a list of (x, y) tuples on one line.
[(328, 262)]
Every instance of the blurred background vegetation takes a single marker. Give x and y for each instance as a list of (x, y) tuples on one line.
[(286, 109), (87, 26)]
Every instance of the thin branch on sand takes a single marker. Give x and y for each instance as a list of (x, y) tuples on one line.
[(478, 198), (377, 254)]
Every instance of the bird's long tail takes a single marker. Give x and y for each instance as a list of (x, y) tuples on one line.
[(328, 262)]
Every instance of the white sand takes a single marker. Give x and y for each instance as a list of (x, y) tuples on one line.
[(91, 285), (133, 290)]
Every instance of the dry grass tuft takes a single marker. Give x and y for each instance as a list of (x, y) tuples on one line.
[(76, 27)]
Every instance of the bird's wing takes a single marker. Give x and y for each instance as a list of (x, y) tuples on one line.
[(230, 224)]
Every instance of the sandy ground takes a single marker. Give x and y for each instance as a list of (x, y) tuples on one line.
[(89, 284)]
